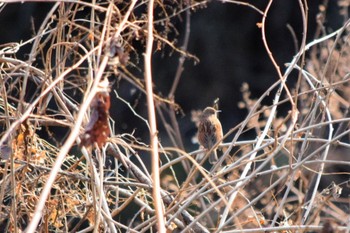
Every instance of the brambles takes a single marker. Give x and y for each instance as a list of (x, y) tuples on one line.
[(74, 128)]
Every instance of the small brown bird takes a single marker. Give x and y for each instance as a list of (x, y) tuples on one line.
[(209, 131)]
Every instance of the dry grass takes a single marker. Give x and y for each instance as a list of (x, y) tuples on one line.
[(286, 179)]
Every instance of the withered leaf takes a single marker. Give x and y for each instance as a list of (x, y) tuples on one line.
[(97, 130)]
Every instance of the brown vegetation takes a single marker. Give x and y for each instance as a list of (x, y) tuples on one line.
[(65, 169)]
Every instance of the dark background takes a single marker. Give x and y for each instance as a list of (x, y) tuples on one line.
[(225, 38), (228, 43)]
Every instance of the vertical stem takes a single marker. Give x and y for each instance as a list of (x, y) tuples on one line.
[(158, 205)]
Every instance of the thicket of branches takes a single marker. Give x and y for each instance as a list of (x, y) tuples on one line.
[(90, 178)]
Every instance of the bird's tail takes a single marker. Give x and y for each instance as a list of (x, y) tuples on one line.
[(213, 157)]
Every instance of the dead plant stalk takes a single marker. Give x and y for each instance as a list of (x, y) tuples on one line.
[(159, 207)]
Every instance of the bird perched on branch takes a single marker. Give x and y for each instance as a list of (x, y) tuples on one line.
[(210, 132)]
